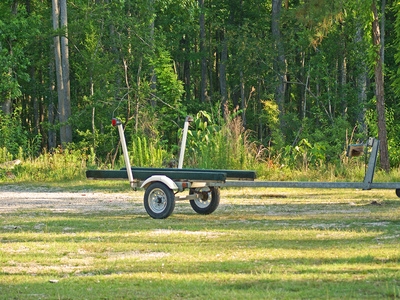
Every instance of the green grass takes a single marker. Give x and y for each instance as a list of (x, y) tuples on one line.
[(259, 244)]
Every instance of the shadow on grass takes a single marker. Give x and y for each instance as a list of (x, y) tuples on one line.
[(300, 232), (225, 283)]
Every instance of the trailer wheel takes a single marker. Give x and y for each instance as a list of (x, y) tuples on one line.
[(159, 200), (208, 200), (398, 193)]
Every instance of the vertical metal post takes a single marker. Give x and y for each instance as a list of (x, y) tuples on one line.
[(183, 143), (369, 175), (118, 123)]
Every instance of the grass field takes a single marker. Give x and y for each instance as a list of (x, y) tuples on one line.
[(259, 244)]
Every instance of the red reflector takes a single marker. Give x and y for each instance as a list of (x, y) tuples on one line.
[(114, 122)]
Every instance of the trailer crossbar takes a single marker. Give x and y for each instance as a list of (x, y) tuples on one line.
[(144, 173)]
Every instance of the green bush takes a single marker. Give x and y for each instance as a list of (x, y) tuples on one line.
[(145, 153), (56, 166), (12, 135), (213, 146)]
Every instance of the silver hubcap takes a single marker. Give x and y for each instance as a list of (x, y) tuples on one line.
[(204, 201), (157, 200)]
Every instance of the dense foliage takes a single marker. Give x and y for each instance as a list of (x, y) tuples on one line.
[(290, 84)]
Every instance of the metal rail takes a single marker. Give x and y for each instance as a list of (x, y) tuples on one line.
[(310, 184), (367, 184)]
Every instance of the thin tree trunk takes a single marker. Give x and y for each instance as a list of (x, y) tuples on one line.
[(379, 90), (362, 89), (259, 110), (280, 60), (52, 136), (304, 75), (222, 73), (382, 30), (186, 69), (6, 98), (93, 110), (242, 98), (153, 84), (65, 72), (138, 83), (203, 62), (128, 88), (37, 108), (36, 114), (343, 82), (57, 58)]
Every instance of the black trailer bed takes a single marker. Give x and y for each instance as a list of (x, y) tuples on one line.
[(174, 174), (230, 174)]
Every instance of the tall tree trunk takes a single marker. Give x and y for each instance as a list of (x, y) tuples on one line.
[(242, 98), (62, 70), (57, 54), (65, 69), (379, 90), (91, 82), (343, 82), (258, 111), (203, 61), (153, 84), (52, 136), (6, 97), (222, 73), (280, 60), (186, 69), (362, 89), (36, 112), (51, 117), (6, 106)]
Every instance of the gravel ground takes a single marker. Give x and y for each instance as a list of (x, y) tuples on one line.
[(16, 198)]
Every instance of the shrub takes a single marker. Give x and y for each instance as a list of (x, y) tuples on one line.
[(225, 146), (12, 135)]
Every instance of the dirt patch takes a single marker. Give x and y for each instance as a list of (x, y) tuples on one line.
[(15, 198)]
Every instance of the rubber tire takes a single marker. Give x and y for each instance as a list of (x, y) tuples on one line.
[(398, 193), (209, 203), (159, 200)]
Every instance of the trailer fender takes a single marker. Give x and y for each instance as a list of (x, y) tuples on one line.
[(160, 178)]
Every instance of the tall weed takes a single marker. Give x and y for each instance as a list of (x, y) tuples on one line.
[(5, 155), (12, 134), (56, 166), (226, 146), (145, 153)]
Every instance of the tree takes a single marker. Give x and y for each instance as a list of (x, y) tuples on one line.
[(13, 61), (61, 54), (280, 65), (203, 59), (378, 44)]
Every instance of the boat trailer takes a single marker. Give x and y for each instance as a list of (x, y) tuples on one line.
[(162, 185)]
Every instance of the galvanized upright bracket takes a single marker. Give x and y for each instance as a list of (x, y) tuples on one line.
[(118, 123), (369, 175), (183, 143)]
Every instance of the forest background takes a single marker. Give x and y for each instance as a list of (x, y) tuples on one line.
[(272, 85)]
